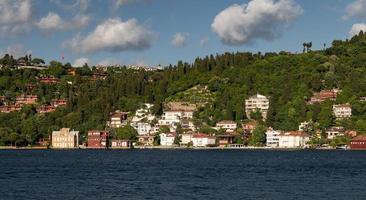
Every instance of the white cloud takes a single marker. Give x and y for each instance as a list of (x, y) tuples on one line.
[(180, 39), (53, 22), (119, 3), (80, 62), (204, 41), (356, 28), (113, 35), (15, 15), (259, 19), (16, 50), (355, 9), (77, 5)]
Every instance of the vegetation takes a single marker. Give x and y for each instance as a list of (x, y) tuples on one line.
[(288, 79)]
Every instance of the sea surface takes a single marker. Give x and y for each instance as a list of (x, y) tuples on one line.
[(182, 174)]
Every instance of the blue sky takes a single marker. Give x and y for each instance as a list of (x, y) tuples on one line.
[(162, 32)]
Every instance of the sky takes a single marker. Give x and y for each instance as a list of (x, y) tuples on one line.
[(161, 32)]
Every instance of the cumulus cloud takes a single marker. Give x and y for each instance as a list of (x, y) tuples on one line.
[(80, 62), (356, 28), (113, 35), (119, 3), (355, 9), (15, 15), (77, 5), (180, 39), (16, 50), (53, 22), (259, 19)]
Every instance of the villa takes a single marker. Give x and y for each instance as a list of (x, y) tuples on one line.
[(293, 139), (65, 139), (167, 139), (341, 111), (203, 140)]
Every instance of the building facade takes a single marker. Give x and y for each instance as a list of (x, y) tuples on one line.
[(358, 143), (118, 119), (257, 103), (167, 139), (272, 137), (65, 139), (335, 131), (203, 140), (228, 125), (121, 144), (293, 139), (98, 139), (341, 111)]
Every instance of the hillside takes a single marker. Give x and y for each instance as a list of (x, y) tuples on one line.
[(288, 79)]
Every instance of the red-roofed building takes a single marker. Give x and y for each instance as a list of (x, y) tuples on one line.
[(98, 139), (10, 108), (49, 80), (324, 95), (46, 109), (358, 143), (58, 102), (26, 99)]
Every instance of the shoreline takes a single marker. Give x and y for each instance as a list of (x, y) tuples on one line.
[(174, 148)]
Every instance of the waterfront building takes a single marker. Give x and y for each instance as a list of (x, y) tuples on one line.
[(146, 140), (341, 111), (123, 144), (293, 139), (203, 140), (98, 139), (358, 143), (272, 137), (257, 103), (225, 140), (65, 139), (186, 138), (167, 139)]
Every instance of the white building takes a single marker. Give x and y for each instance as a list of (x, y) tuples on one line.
[(228, 125), (65, 139), (203, 140), (143, 113), (257, 102), (342, 111), (167, 139), (293, 139), (186, 138), (142, 128), (335, 131), (272, 137), (304, 126)]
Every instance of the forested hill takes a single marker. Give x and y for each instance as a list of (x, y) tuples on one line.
[(288, 79)]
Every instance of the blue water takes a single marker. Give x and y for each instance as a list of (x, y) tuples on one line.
[(182, 174)]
